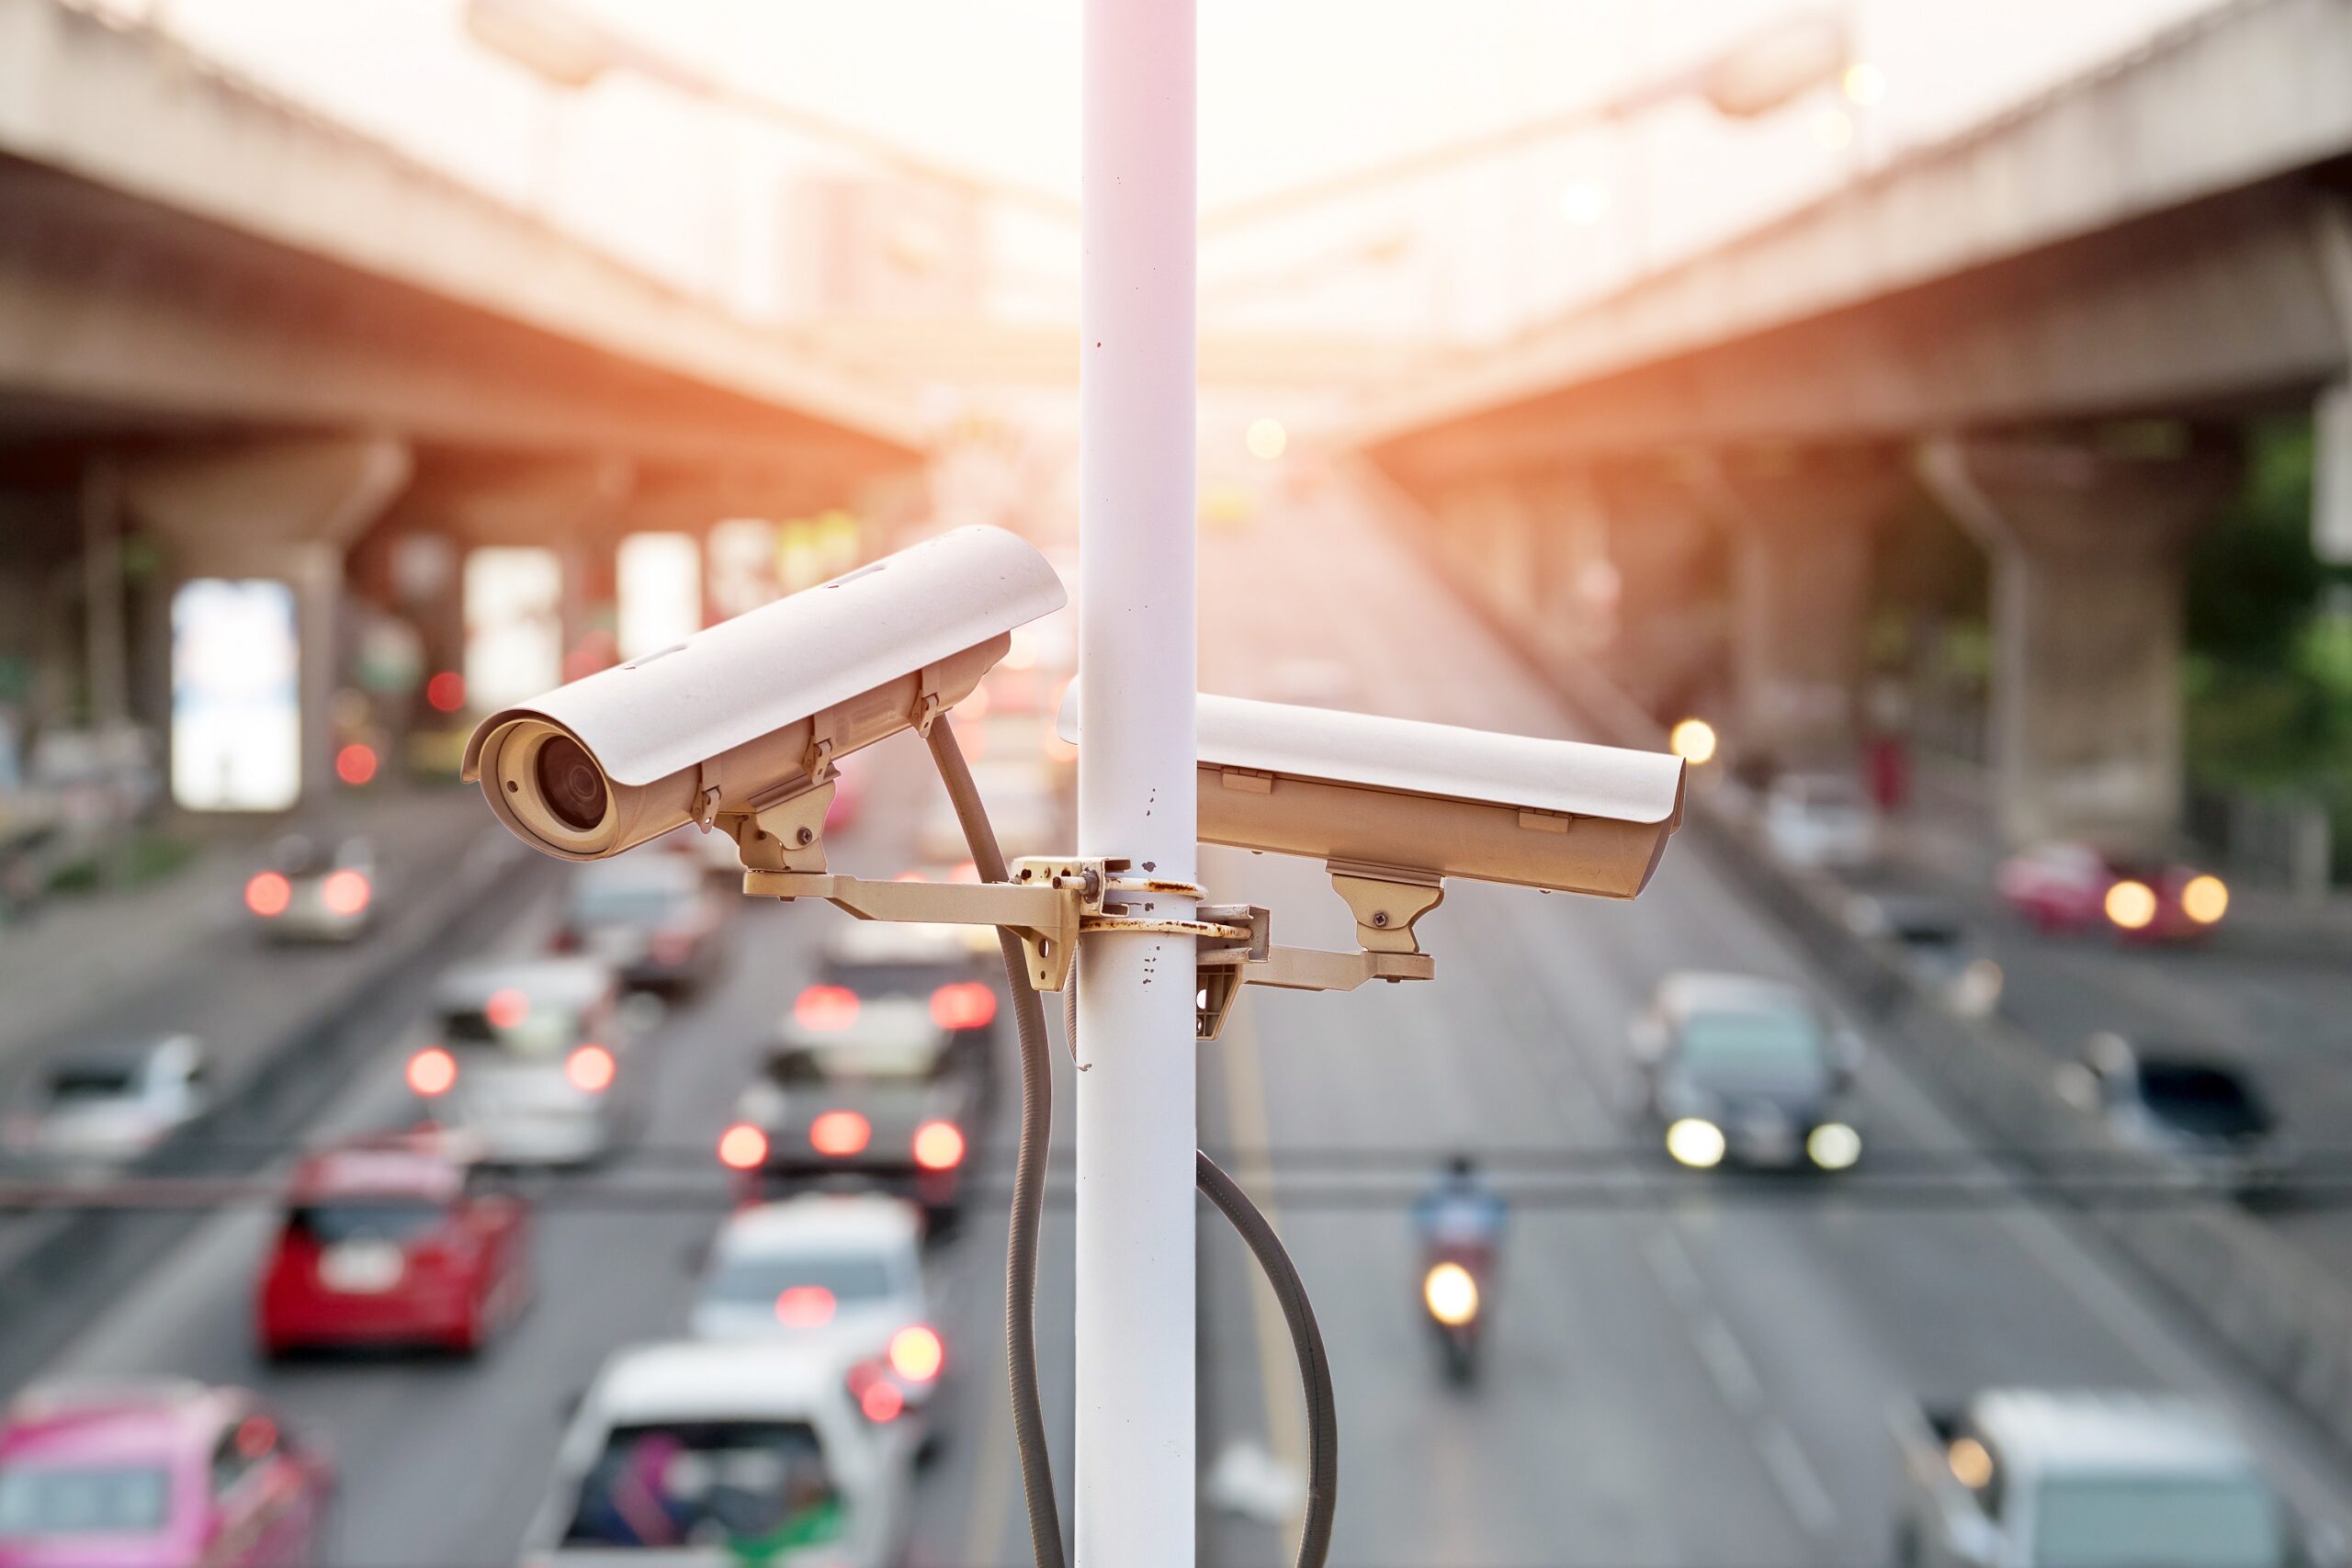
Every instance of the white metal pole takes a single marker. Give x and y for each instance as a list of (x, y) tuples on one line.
[(1136, 1134)]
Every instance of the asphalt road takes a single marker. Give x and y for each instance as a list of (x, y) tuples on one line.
[(1697, 1379)]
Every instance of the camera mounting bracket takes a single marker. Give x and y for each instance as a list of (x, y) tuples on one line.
[(1046, 904)]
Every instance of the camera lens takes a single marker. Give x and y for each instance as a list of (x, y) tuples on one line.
[(569, 783)]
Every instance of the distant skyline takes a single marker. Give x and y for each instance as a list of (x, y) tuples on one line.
[(1290, 90)]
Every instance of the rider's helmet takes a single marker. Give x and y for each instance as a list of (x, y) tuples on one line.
[(1461, 1166)]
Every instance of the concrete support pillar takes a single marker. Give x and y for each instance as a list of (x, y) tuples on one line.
[(105, 628), (2332, 415), (1801, 529), (2087, 550), (286, 510), (1659, 586), (575, 509)]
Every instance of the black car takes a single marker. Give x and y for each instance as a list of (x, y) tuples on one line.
[(2184, 1103), (1731, 1069), (653, 918), (862, 1095)]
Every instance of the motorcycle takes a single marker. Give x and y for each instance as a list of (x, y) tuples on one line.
[(1453, 1289)]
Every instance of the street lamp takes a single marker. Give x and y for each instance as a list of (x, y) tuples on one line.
[(1759, 73), (569, 49)]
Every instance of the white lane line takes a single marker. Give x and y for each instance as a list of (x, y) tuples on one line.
[(1793, 1473), (1677, 1275), (1727, 1364)]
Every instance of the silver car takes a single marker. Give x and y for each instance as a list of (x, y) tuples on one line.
[(533, 1059)]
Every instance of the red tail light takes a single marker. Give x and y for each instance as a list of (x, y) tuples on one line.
[(742, 1147), (356, 763), (878, 1398), (916, 1354), (346, 893), (565, 940), (432, 1072), (669, 948), (590, 1069), (939, 1145), (825, 1007), (839, 1133), (269, 894), (967, 1004)]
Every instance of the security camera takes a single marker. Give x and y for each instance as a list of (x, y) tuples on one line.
[(754, 710), (1397, 800)]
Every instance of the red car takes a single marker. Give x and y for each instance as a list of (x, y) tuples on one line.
[(389, 1243), (158, 1475), (2076, 887)]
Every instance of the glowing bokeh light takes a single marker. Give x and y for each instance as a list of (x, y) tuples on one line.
[(916, 1354), (1267, 439), (269, 894), (507, 1009), (2206, 900), (939, 1145), (1863, 84), (1693, 740), (805, 1306), (1695, 1142), (838, 1134), (743, 1146), (344, 892), (1584, 202), (1451, 1294), (356, 763), (432, 1072), (590, 1069), (2131, 905)]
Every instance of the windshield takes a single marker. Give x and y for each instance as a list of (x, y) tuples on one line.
[(389, 1219), (2159, 1522), (2201, 1099), (849, 1279), (539, 1030), (626, 904), (92, 1083), (709, 1483), (1775, 1046), (120, 1499), (914, 1061)]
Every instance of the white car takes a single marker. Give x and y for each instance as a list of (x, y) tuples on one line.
[(533, 1059), (839, 1272), (1820, 822), (699, 1453), (109, 1106), (313, 890)]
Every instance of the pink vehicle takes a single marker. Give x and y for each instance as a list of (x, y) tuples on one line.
[(157, 1475), (2077, 887)]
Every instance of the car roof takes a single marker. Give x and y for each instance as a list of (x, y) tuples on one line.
[(638, 870), (896, 1023), (823, 1219), (117, 1416), (571, 982), (1688, 991), (377, 1169), (2090, 1431), (693, 1379)]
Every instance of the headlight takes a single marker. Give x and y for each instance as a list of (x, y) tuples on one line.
[(1451, 1292), (1833, 1145), (1695, 1142)]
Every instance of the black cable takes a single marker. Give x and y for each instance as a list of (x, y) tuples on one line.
[(1305, 1341), (1028, 1168)]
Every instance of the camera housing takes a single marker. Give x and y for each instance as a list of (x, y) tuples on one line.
[(753, 711), (1400, 801)]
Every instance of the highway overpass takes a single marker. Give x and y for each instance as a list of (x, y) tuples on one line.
[(263, 344), (2049, 323)]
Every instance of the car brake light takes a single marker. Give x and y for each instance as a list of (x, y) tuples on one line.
[(878, 1398), (805, 1306), (565, 940), (939, 1145), (967, 1004), (839, 1132), (742, 1147), (432, 1071), (2205, 899), (916, 1354), (345, 892), (670, 948), (590, 1069), (825, 1007), (269, 894)]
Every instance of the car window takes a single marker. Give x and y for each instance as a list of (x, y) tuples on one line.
[(105, 1499), (83, 1081), (538, 1029), (2167, 1521), (760, 1486), (2201, 1098), (386, 1219), (1752, 1044), (847, 1279)]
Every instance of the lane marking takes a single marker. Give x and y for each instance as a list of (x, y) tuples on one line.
[(1727, 1364), (1794, 1474)]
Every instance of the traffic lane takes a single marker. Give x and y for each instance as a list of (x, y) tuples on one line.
[(1593, 1417), (444, 1460), (2287, 1017)]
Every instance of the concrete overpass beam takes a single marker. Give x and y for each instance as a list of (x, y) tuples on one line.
[(2087, 551), (1801, 528), (286, 510)]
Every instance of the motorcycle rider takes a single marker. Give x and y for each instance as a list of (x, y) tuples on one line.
[(1459, 1212)]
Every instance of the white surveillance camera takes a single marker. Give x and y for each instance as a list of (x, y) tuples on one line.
[(1429, 800), (755, 709)]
